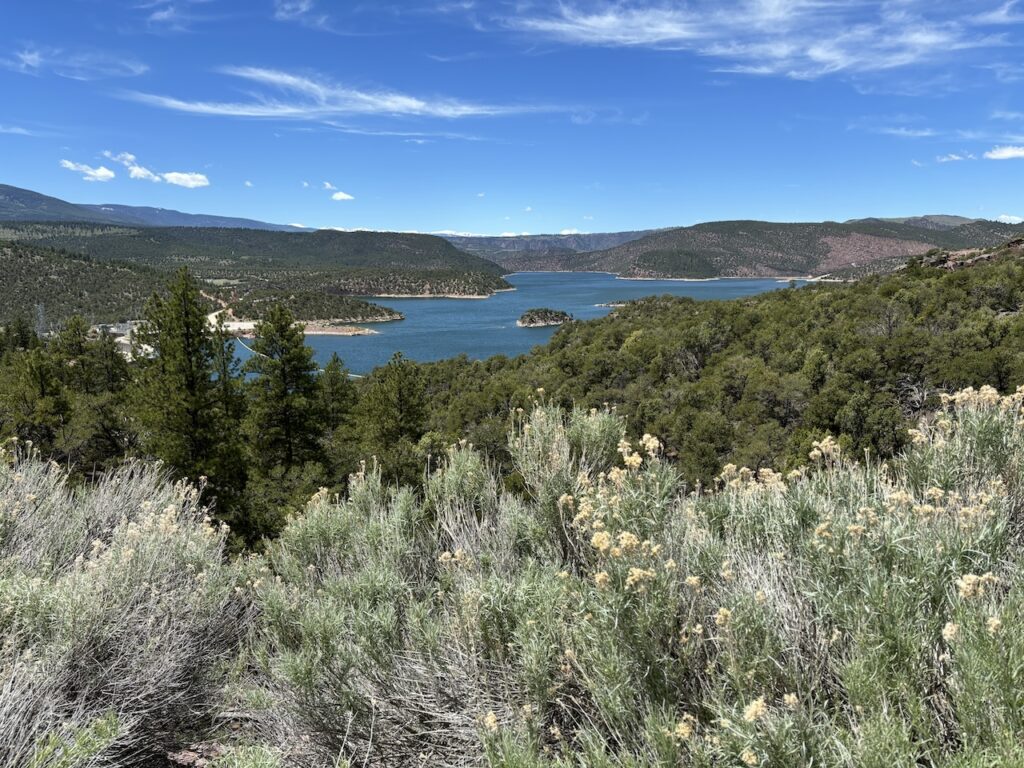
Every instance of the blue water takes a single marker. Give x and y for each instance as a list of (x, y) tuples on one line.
[(438, 328)]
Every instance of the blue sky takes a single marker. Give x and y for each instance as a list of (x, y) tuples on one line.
[(492, 117)]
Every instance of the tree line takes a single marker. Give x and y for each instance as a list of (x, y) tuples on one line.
[(260, 437)]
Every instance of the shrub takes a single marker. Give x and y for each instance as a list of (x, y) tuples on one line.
[(116, 616), (847, 614)]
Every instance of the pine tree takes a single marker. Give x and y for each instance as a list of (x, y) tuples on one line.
[(284, 397), (392, 414), (177, 401), (286, 455), (337, 394)]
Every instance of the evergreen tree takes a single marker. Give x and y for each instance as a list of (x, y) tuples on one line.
[(282, 423), (176, 395), (337, 394), (340, 437), (284, 397), (393, 416)]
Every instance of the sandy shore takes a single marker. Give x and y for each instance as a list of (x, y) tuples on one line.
[(315, 329), (431, 295)]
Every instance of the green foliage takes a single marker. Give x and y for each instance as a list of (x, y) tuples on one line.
[(118, 613), (753, 381), (392, 414), (855, 613), (312, 305), (185, 419), (63, 285), (543, 316)]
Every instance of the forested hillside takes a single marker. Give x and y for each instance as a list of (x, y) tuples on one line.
[(237, 262), (206, 248), (754, 381), (757, 248), (59, 285)]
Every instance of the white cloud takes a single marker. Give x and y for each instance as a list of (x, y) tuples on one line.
[(528, 209), (88, 172), (917, 163), (1005, 153), (305, 185), (1002, 114), (15, 130), (569, 232), (800, 39), (588, 218), (316, 98), (248, 183), (906, 133), (187, 180), (339, 195), (135, 171), (74, 65), (481, 194), (300, 226), (953, 157), (1007, 218), (328, 185)]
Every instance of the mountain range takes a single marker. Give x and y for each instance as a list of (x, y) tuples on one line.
[(712, 249), (18, 204)]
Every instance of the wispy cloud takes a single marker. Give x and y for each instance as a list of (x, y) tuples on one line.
[(800, 39), (75, 65), (136, 171), (1008, 152), (16, 130), (1007, 13), (89, 173), (309, 97), (302, 12), (906, 133), (328, 185), (954, 157)]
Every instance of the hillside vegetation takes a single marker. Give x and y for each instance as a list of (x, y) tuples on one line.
[(849, 613), (754, 381), (757, 248), (64, 285), (239, 262), (212, 248), (525, 252)]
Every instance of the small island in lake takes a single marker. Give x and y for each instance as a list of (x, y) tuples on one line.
[(538, 318)]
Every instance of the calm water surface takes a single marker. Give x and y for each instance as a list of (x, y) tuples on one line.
[(438, 328)]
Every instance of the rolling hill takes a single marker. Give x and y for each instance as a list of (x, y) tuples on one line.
[(208, 249), (525, 252), (757, 248), (62, 285)]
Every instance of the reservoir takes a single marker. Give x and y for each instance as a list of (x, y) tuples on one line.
[(434, 329)]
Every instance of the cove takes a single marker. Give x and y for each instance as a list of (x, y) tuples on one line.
[(434, 329)]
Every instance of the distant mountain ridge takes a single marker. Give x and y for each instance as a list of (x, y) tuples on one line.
[(523, 251), (17, 204), (768, 249), (711, 249)]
